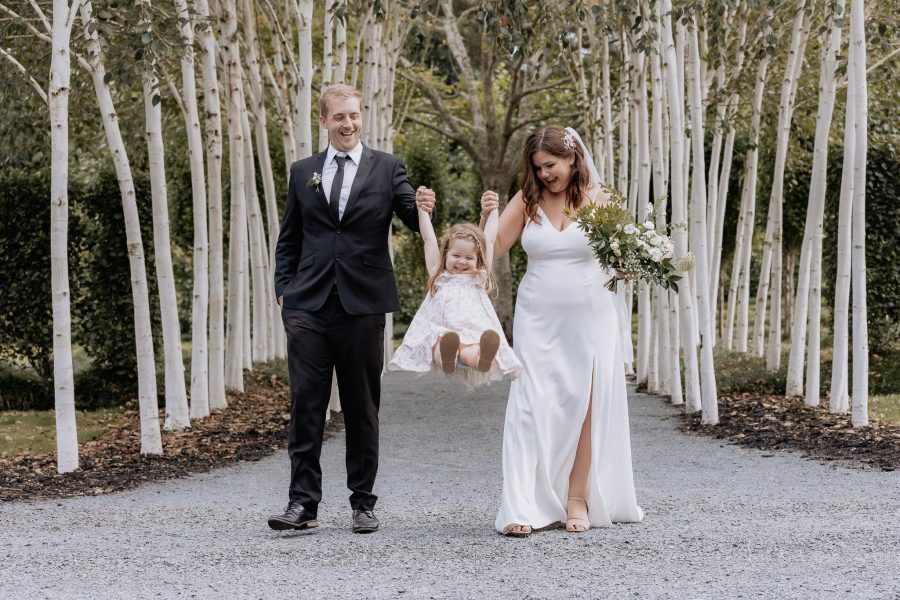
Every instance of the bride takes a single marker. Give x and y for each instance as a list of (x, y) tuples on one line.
[(566, 446)]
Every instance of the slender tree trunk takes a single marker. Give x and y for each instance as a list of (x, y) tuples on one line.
[(200, 301), (700, 231), (151, 441), (177, 411), (814, 230), (237, 249), (607, 113), (859, 415), (63, 373), (687, 325), (839, 399), (213, 111), (304, 104)]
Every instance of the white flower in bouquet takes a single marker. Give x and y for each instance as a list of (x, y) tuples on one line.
[(630, 229), (648, 225), (686, 262)]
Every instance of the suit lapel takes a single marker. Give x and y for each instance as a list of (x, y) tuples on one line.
[(362, 173)]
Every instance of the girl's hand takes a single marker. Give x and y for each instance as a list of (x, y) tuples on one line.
[(489, 201), (425, 199)]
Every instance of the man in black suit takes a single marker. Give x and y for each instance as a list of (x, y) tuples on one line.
[(334, 282)]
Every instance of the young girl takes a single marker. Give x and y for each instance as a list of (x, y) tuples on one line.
[(456, 326)]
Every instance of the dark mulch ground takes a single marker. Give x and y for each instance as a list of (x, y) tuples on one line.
[(781, 423), (253, 426)]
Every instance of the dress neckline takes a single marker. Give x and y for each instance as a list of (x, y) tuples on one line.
[(552, 226)]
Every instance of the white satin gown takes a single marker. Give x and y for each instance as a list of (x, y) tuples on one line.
[(566, 333)]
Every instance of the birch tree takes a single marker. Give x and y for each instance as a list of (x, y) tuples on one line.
[(58, 101), (808, 298), (177, 412), (213, 122)]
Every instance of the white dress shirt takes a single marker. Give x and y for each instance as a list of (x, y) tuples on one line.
[(329, 170)]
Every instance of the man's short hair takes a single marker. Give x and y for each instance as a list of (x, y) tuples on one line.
[(338, 90)]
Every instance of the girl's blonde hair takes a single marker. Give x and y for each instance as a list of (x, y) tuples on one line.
[(469, 233)]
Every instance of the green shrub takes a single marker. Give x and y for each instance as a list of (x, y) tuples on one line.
[(738, 372)]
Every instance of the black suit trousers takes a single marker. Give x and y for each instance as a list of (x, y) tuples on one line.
[(318, 343)]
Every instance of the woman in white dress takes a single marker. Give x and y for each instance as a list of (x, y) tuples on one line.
[(566, 446)]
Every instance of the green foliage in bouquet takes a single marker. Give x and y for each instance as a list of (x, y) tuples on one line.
[(635, 250)]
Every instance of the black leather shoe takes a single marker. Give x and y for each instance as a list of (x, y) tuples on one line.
[(364, 521), (295, 517)]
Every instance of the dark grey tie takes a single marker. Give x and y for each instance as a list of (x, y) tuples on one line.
[(334, 197)]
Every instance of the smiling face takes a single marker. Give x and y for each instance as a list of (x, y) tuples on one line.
[(343, 120), (553, 171), (462, 257)]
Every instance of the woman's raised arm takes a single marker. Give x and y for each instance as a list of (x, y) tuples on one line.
[(511, 223)]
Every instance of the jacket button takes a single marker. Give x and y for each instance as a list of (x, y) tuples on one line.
[(337, 258), (338, 229)]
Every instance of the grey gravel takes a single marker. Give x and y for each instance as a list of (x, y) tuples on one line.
[(722, 522)]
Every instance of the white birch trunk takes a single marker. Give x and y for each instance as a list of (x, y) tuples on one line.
[(259, 256), (858, 94), (237, 251), (809, 270), (327, 60), (340, 41), (687, 326), (304, 100), (151, 441), (63, 373), (773, 355), (213, 122), (199, 407), (607, 112), (177, 411), (709, 396), (742, 296), (839, 398)]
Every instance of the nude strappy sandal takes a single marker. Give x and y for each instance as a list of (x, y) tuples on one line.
[(576, 524)]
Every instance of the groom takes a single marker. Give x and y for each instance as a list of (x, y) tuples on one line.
[(334, 282)]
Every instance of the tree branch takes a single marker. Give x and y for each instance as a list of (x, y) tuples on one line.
[(26, 75), (41, 15), (458, 49)]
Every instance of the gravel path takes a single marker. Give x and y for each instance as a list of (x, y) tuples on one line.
[(722, 522)]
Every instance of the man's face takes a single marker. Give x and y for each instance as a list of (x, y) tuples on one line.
[(343, 121)]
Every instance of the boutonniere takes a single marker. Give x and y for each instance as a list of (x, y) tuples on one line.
[(315, 180)]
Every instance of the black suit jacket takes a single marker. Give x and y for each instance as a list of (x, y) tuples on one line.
[(314, 250)]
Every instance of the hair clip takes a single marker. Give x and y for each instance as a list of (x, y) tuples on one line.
[(569, 141)]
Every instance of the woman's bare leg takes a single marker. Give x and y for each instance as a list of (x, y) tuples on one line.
[(576, 504)]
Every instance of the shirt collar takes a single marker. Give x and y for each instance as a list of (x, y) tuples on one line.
[(355, 154)]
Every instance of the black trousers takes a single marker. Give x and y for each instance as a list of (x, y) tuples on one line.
[(319, 342)]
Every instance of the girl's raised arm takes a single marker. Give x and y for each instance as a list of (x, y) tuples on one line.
[(429, 240), (490, 235), (510, 223)]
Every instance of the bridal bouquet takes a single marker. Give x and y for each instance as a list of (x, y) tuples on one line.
[(636, 250)]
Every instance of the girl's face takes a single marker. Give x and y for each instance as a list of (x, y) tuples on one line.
[(462, 257), (553, 171)]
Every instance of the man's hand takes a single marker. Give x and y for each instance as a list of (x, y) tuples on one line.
[(425, 199), (280, 302), (489, 201)]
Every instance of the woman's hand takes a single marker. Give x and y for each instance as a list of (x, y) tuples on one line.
[(626, 275), (489, 201)]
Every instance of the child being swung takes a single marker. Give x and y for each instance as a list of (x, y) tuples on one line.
[(456, 325)]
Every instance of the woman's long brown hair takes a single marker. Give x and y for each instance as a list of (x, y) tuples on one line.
[(552, 140)]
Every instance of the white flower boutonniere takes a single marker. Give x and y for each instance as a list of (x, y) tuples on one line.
[(315, 180)]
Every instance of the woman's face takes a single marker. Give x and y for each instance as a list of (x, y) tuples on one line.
[(462, 257), (553, 171)]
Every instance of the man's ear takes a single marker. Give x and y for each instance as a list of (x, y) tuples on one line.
[(322, 120)]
